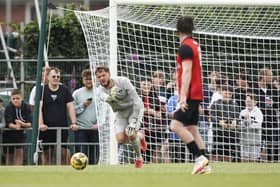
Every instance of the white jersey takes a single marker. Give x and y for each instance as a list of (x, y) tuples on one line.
[(129, 106), (215, 97), (255, 118), (251, 127)]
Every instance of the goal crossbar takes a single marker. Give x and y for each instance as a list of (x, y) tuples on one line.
[(198, 2)]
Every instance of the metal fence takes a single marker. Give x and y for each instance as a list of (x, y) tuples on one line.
[(55, 155)]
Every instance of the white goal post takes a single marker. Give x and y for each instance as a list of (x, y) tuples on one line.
[(240, 43)]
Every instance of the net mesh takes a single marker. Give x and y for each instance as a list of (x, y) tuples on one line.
[(240, 48)]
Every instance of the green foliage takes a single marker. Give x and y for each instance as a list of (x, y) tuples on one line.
[(66, 36)]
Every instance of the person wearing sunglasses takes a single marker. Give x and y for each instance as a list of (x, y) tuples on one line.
[(57, 104)]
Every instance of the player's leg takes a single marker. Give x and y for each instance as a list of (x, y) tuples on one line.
[(179, 124), (197, 137), (120, 124), (199, 141), (134, 140), (137, 139)]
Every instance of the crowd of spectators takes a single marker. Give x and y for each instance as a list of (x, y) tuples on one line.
[(239, 118)]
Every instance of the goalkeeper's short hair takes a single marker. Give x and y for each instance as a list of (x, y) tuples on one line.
[(102, 68)]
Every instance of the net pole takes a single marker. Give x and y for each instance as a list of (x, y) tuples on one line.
[(113, 69), (35, 119)]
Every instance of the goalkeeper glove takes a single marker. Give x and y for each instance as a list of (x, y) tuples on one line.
[(132, 127), (117, 93), (130, 130)]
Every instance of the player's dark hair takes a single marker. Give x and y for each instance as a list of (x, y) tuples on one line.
[(185, 25)]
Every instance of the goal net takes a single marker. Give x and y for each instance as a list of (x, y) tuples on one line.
[(240, 63)]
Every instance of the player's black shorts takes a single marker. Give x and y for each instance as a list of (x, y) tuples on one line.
[(190, 116), (49, 136)]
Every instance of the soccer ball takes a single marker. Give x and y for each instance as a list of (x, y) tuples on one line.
[(79, 161)]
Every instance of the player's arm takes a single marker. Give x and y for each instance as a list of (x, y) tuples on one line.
[(138, 108), (136, 100), (186, 54)]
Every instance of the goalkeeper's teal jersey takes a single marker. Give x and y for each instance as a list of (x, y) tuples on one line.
[(127, 105)]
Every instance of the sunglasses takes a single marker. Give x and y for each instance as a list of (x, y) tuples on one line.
[(56, 76)]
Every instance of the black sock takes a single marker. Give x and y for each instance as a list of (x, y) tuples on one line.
[(203, 152), (193, 148)]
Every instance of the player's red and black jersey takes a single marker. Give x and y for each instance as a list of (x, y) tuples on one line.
[(190, 50)]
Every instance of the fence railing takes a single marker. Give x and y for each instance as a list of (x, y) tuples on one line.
[(172, 150), (10, 150)]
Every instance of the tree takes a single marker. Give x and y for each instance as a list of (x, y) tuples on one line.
[(66, 37)]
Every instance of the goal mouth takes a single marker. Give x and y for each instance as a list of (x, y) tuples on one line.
[(238, 41)]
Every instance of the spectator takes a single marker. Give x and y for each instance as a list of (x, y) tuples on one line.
[(152, 114), (158, 90), (86, 118), (33, 91), (241, 90), (251, 119), (2, 119), (276, 84), (158, 78), (204, 122), (17, 117), (170, 87), (57, 100), (2, 125), (268, 102), (224, 115), (217, 95)]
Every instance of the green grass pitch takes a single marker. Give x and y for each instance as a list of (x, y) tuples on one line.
[(151, 175)]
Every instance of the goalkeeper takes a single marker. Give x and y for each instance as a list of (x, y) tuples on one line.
[(121, 95)]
